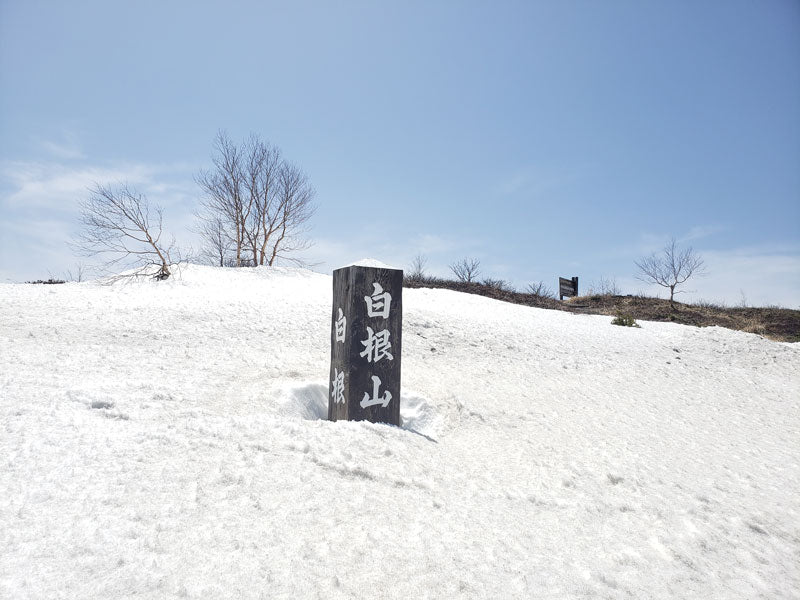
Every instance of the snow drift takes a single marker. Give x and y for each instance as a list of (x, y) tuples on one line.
[(168, 440)]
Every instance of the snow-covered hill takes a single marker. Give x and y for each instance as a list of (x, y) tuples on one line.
[(167, 440)]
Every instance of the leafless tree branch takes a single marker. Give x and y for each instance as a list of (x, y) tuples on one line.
[(670, 268)]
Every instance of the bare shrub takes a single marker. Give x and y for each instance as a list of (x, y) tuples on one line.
[(604, 287), (710, 304), (466, 269), (417, 274), (501, 285), (540, 290)]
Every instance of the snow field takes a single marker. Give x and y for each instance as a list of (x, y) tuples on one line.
[(168, 441)]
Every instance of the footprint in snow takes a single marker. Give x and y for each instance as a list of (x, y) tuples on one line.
[(755, 527)]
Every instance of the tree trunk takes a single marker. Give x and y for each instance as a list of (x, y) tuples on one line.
[(276, 247)]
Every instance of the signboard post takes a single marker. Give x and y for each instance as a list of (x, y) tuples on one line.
[(567, 287), (366, 340)]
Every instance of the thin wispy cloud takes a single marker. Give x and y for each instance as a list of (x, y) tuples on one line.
[(40, 204), (58, 186), (514, 184), (440, 250), (699, 232), (66, 146), (536, 181), (53, 185), (650, 241)]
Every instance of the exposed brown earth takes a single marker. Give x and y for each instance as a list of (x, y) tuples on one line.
[(779, 324)]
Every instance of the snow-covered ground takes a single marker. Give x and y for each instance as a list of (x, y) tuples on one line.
[(167, 440)]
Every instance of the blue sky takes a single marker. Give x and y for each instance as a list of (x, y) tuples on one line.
[(543, 138)]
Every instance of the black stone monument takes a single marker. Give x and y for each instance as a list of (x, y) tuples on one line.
[(366, 340)]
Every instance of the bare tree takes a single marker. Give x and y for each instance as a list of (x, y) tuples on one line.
[(224, 188), (120, 224), (417, 271), (540, 290), (604, 287), (670, 268), (256, 201), (217, 242), (291, 214), (466, 269), (79, 274)]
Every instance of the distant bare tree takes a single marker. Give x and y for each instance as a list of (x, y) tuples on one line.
[(118, 223), (417, 271), (670, 268), (255, 202), (466, 269), (79, 274), (217, 242), (225, 199), (540, 290), (604, 287), (743, 299)]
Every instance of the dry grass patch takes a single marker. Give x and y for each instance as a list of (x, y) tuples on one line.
[(779, 324)]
